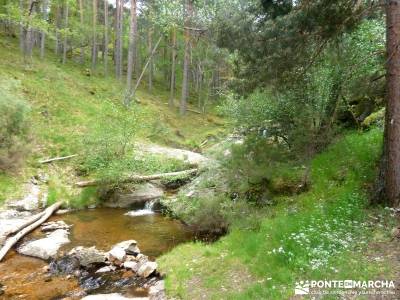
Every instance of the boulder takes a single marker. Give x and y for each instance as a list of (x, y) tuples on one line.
[(147, 269), (117, 253), (130, 247), (157, 291), (30, 202), (11, 219), (132, 265), (142, 193), (88, 255), (47, 247)]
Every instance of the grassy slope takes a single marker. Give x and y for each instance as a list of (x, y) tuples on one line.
[(66, 104), (316, 235)]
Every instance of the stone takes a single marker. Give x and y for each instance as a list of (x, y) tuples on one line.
[(134, 266), (88, 255), (106, 269), (141, 194), (147, 269), (47, 247), (130, 247), (117, 253), (11, 219), (51, 226), (157, 291), (30, 202)]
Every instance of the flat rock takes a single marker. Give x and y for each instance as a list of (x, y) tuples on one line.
[(117, 253), (51, 226), (147, 269), (142, 193), (47, 247), (106, 269), (189, 157), (88, 255), (110, 297), (157, 291)]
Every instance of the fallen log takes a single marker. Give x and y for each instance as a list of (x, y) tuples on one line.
[(27, 223), (138, 178), (193, 111), (46, 161), (14, 239)]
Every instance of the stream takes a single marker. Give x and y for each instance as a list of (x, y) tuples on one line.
[(24, 277)]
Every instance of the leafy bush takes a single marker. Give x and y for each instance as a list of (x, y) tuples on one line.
[(14, 125)]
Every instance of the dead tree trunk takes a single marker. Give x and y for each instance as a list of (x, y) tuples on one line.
[(13, 240)]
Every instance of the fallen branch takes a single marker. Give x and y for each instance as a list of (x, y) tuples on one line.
[(46, 161), (14, 239), (193, 111), (138, 178)]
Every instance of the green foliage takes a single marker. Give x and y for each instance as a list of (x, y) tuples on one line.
[(14, 125), (304, 236)]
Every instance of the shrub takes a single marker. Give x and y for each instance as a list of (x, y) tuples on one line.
[(14, 126)]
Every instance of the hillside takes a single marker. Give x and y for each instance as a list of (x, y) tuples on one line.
[(67, 106)]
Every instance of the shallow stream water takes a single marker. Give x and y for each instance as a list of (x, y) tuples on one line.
[(23, 277)]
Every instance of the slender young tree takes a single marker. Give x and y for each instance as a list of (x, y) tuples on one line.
[(94, 36), (106, 37), (22, 28), (186, 59), (57, 27), (132, 46)]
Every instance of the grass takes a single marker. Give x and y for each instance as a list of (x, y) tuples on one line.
[(67, 106), (316, 235)]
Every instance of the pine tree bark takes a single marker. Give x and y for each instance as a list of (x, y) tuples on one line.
[(22, 28), (131, 50), (390, 166), (65, 43), (150, 49), (81, 17), (171, 101), (58, 24), (118, 38), (186, 59), (43, 33), (94, 36), (106, 41)]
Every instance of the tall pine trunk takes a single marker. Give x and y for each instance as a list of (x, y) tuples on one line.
[(94, 36), (81, 17), (150, 49), (22, 28), (65, 43), (186, 59), (390, 166), (118, 38), (57, 27), (105, 50), (43, 33), (171, 101), (132, 48)]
